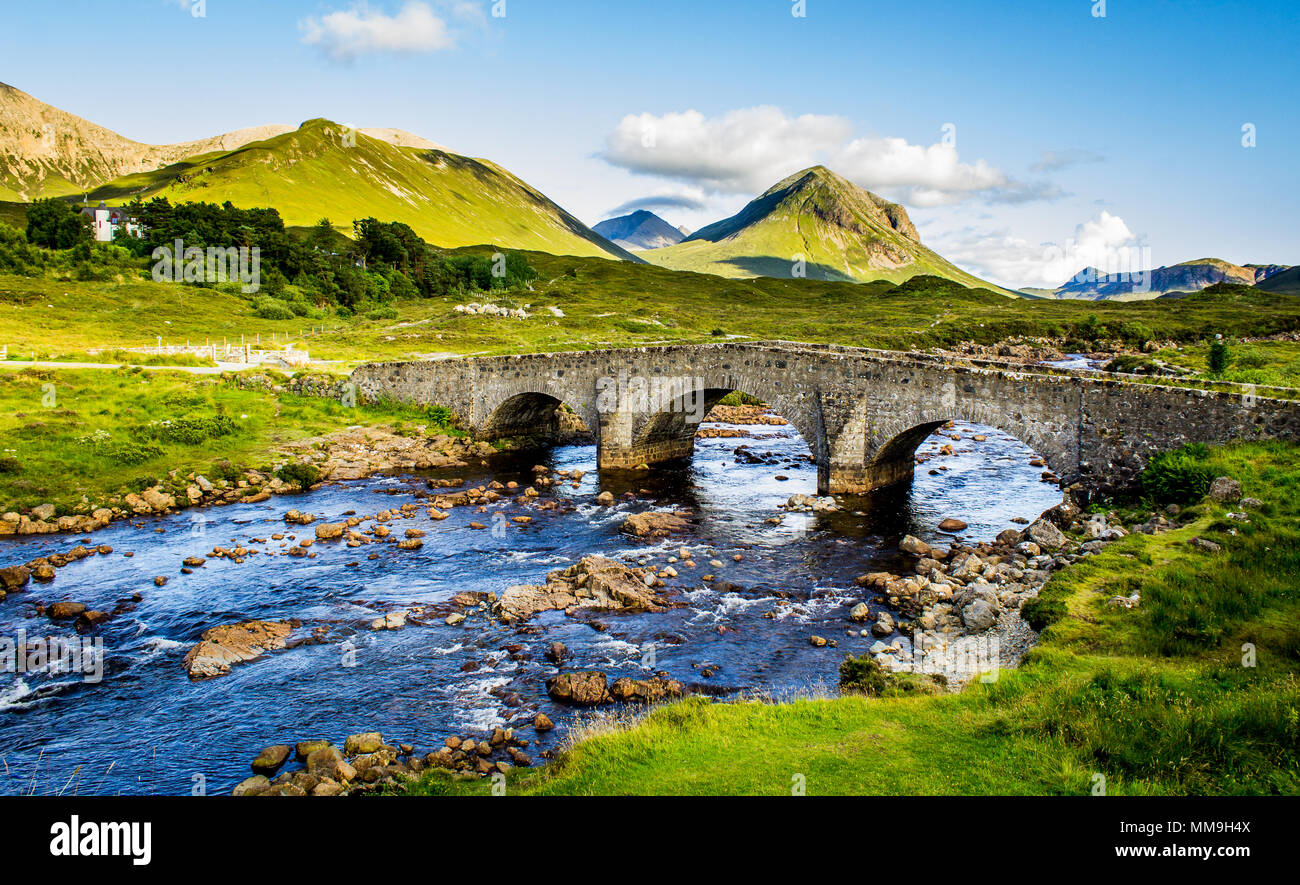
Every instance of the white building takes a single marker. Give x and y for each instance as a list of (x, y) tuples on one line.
[(105, 221)]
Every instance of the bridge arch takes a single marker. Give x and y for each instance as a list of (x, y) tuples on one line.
[(677, 421), (889, 438), (527, 411)]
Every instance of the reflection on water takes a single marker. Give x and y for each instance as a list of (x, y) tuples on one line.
[(146, 728)]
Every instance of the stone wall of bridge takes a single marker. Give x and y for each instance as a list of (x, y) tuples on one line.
[(862, 413)]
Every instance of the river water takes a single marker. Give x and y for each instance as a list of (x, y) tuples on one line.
[(145, 727)]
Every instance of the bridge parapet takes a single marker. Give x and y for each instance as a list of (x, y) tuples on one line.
[(861, 412)]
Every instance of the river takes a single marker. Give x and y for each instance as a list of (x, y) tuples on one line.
[(145, 727)]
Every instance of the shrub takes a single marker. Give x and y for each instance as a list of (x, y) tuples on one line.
[(862, 674), (382, 313), (1042, 612), (1219, 357), (1178, 477), (299, 473), (10, 464), (269, 308), (133, 453), (190, 431), (440, 415)]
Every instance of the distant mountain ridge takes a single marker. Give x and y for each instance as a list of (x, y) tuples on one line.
[(839, 230), (47, 152), (1190, 276), (640, 230)]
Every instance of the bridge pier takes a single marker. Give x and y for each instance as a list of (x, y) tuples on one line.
[(619, 445)]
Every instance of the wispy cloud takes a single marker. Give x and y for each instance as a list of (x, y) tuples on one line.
[(1050, 161), (347, 34), (748, 150), (660, 201)]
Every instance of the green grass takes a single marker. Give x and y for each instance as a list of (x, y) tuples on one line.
[(83, 438), (43, 318), (1274, 363), (1155, 699)]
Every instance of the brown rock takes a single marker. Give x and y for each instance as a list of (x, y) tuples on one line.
[(270, 760), (61, 610), (580, 689), (14, 577), (229, 644), (654, 525), (594, 583)]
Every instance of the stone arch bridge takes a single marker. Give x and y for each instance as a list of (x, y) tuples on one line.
[(861, 412)]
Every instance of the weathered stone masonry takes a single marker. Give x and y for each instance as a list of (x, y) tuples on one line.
[(861, 412)]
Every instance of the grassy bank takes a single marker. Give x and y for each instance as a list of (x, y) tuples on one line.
[(84, 438), (1157, 699)]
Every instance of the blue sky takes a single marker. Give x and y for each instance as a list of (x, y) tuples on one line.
[(1024, 138)]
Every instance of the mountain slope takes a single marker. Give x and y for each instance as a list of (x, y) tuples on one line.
[(324, 170), (842, 232), (1284, 282), (46, 152), (1190, 276), (640, 230)]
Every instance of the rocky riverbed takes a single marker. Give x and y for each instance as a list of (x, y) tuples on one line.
[(453, 601)]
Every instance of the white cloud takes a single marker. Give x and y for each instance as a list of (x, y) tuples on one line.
[(749, 150), (930, 175), (743, 151), (361, 30), (1104, 242)]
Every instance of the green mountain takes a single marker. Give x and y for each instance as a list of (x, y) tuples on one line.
[(841, 231), (325, 170)]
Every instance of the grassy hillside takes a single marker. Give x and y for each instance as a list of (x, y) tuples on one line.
[(842, 232), (312, 173), (609, 303), (1159, 699)]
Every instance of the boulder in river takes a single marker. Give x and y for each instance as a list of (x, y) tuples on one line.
[(594, 583), (645, 691), (14, 577), (584, 688), (270, 760), (61, 610), (952, 525), (654, 524), (223, 646)]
